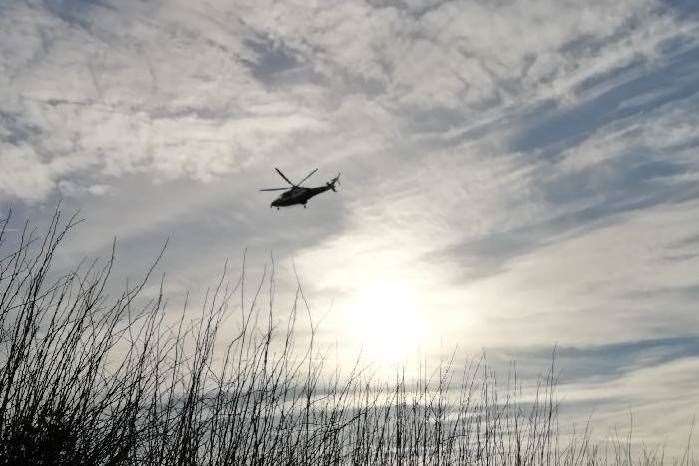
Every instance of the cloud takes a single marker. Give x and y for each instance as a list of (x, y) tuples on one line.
[(70, 189), (254, 83), (528, 167), (658, 417), (598, 363), (24, 175)]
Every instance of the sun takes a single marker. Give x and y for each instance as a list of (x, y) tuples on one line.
[(387, 321)]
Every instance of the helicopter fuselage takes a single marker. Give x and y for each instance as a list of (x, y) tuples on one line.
[(298, 195)]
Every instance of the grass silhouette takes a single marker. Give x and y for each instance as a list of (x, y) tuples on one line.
[(89, 379)]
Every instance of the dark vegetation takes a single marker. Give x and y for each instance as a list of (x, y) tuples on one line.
[(88, 378)]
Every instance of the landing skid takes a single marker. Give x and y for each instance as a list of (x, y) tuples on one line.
[(304, 206)]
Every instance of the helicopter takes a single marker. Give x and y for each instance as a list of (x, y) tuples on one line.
[(298, 194)]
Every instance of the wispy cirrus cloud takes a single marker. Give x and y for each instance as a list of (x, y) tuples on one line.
[(528, 168)]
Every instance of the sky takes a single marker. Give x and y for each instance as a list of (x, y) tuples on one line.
[(515, 174)]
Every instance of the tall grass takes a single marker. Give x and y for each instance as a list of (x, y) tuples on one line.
[(87, 378)]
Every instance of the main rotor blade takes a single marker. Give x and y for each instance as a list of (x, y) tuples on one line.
[(307, 176), (275, 189), (284, 176)]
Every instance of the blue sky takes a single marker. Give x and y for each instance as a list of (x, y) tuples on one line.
[(516, 174)]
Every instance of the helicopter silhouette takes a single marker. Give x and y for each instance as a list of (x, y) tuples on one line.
[(298, 194)]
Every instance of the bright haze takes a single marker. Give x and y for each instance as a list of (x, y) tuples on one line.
[(515, 174)]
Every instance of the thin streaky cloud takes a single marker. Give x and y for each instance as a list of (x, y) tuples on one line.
[(527, 169)]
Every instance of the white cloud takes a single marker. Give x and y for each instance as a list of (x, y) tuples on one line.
[(660, 416), (485, 148), (71, 189), (24, 174), (170, 89)]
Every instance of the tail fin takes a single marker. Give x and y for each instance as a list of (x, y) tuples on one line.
[(331, 183)]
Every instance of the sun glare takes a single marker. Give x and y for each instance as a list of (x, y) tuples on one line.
[(386, 320)]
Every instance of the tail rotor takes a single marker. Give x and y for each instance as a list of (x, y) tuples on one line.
[(333, 182)]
